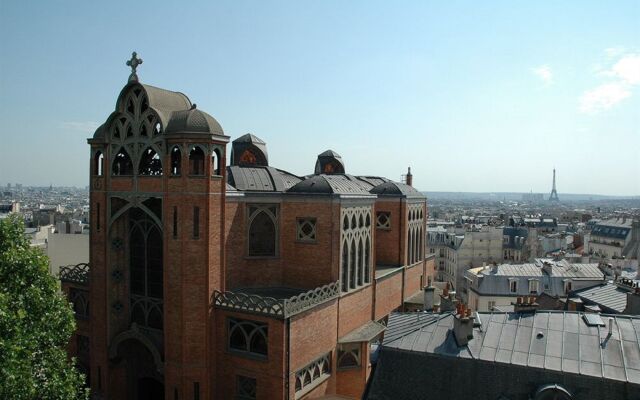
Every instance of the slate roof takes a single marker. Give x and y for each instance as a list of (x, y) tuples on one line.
[(609, 296), (495, 280), (550, 340), (613, 228)]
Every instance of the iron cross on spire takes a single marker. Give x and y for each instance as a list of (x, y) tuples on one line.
[(133, 63)]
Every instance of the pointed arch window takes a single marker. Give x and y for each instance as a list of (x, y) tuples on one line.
[(196, 161), (263, 230), (122, 164), (145, 268), (98, 163), (345, 266), (176, 161), (150, 163), (360, 263), (367, 262), (352, 265)]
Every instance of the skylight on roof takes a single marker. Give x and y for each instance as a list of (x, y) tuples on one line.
[(593, 320)]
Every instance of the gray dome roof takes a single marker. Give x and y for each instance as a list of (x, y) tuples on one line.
[(100, 132), (396, 189), (193, 121)]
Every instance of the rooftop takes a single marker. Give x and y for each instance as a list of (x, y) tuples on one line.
[(550, 340)]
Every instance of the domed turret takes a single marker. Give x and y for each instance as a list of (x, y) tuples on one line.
[(193, 121)]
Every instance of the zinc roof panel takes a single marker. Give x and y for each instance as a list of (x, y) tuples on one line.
[(554, 343), (571, 322), (488, 354), (612, 353), (508, 337), (571, 349), (591, 369), (554, 363), (503, 356), (570, 366), (523, 339), (519, 358), (590, 349), (616, 373), (631, 354), (536, 361), (556, 321)]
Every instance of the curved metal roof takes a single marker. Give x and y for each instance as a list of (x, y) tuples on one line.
[(260, 179), (193, 121), (331, 184), (391, 188)]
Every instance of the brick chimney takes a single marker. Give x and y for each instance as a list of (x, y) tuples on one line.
[(463, 325), (448, 301), (409, 177), (526, 304)]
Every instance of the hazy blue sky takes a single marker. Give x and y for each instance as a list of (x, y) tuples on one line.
[(474, 95)]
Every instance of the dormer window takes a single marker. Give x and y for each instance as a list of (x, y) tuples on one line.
[(534, 286), (568, 286), (513, 286)]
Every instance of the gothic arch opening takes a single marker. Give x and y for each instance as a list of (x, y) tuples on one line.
[(196, 161), (176, 160), (216, 161), (150, 163), (145, 269), (122, 164), (262, 231), (98, 164)]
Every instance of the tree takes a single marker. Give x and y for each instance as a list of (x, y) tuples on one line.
[(36, 322)]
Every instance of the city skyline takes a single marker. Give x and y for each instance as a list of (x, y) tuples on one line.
[(471, 109)]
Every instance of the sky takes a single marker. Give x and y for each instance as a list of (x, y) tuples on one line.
[(475, 96)]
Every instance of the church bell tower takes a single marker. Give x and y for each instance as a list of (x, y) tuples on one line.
[(156, 245)]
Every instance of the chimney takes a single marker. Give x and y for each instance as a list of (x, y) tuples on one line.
[(409, 177), (463, 325), (633, 302), (525, 304), (429, 298), (448, 301)]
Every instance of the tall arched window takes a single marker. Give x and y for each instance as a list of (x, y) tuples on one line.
[(196, 161), (145, 258), (176, 160), (345, 266), (367, 262), (98, 164), (122, 164), (262, 230), (352, 264), (150, 163), (216, 163), (409, 247), (360, 262)]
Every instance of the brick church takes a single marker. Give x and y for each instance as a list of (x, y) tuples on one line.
[(214, 275)]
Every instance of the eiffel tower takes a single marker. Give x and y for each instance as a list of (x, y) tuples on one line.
[(554, 192)]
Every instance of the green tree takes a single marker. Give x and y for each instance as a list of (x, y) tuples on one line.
[(36, 322)]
